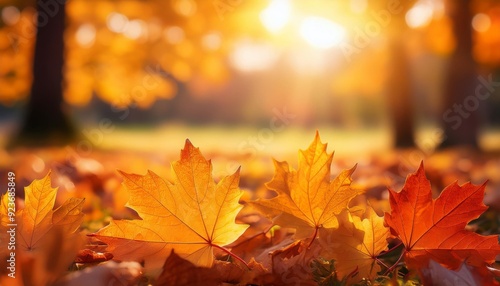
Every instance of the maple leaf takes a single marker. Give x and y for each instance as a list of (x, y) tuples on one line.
[(46, 238), (90, 256), (105, 274), (306, 199), (191, 215), (255, 274), (356, 243), (4, 222), (435, 274), (434, 228), (38, 217), (292, 264), (180, 272)]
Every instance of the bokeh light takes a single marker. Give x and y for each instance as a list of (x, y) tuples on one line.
[(481, 22), (174, 35), (85, 35), (321, 33), (420, 15), (10, 15), (252, 56), (117, 22), (276, 15)]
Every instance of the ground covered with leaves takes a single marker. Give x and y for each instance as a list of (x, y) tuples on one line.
[(402, 217)]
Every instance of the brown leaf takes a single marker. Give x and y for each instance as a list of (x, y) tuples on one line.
[(105, 274), (180, 272), (292, 265), (90, 256)]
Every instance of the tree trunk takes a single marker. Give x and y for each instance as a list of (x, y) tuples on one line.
[(400, 97), (459, 113), (46, 120)]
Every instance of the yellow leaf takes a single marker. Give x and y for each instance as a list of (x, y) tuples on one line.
[(38, 216), (4, 221), (46, 239), (355, 243), (307, 200), (4, 210), (192, 215)]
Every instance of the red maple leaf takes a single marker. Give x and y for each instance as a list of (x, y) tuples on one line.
[(435, 228)]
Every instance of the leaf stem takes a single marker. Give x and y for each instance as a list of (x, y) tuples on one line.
[(232, 254), (391, 250), (380, 261), (395, 263), (314, 236)]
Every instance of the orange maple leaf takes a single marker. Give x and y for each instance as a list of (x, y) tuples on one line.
[(5, 220), (434, 228), (355, 244), (192, 215), (307, 200), (47, 239), (38, 217)]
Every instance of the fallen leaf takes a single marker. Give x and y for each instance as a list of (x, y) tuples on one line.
[(355, 244), (4, 222), (193, 215), (90, 256), (38, 217), (260, 238), (105, 274), (434, 228), (292, 265), (46, 239), (306, 199), (180, 272), (50, 259), (435, 274), (233, 273)]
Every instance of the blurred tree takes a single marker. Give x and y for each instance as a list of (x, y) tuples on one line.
[(460, 124), (458, 117), (400, 96), (134, 53), (46, 120), (398, 89)]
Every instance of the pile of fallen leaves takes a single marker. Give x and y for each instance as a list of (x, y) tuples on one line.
[(303, 229)]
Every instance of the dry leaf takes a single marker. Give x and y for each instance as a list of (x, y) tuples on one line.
[(307, 200), (434, 228), (192, 215), (292, 265), (4, 222), (355, 244), (38, 217), (90, 256), (46, 239), (105, 274), (255, 274), (435, 274), (180, 272), (51, 258)]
